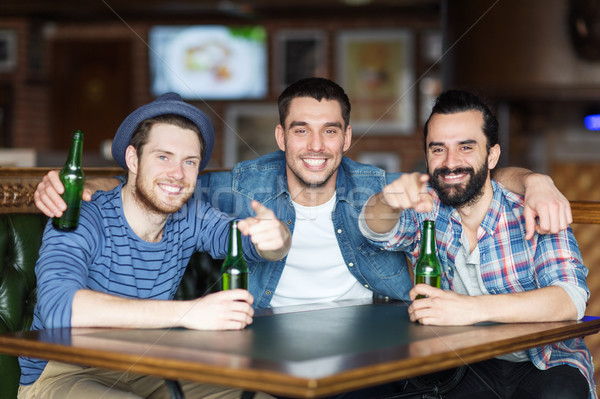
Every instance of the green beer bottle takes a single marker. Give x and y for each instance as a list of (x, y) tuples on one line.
[(72, 179), (234, 271), (427, 269)]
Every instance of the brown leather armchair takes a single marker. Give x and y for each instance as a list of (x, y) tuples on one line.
[(20, 240)]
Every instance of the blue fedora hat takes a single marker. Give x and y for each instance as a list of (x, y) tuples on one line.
[(169, 103)]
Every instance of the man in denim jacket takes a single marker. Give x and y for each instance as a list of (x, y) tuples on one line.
[(319, 193), (382, 272)]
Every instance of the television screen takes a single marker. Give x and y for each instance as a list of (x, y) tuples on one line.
[(208, 62)]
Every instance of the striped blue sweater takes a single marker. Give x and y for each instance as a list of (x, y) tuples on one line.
[(104, 254)]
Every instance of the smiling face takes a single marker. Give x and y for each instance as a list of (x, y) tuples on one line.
[(314, 139), (165, 174), (458, 160)]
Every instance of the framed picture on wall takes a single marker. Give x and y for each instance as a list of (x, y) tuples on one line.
[(300, 54), (388, 161), (377, 71), (8, 50), (430, 81), (430, 87), (249, 132), (431, 46)]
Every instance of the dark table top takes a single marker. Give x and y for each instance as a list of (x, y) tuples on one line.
[(301, 351)]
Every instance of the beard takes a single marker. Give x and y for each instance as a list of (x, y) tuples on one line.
[(144, 196), (457, 195)]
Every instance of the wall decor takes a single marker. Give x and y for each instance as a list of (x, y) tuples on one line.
[(388, 161), (300, 54), (249, 132), (376, 69), (8, 50)]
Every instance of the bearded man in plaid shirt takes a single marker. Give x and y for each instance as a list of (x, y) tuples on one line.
[(494, 267)]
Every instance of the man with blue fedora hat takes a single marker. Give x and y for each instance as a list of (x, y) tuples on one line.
[(122, 265), (169, 103)]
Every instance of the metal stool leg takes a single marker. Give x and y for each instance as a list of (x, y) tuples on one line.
[(177, 393), (174, 389)]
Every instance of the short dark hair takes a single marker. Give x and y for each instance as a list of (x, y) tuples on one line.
[(317, 88), (454, 101), (139, 137)]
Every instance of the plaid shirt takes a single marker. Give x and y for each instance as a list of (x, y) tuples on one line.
[(509, 263)]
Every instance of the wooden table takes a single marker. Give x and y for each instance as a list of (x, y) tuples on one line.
[(301, 352)]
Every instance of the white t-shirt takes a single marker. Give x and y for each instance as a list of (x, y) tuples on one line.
[(315, 270)]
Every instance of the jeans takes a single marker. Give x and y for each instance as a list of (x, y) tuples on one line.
[(501, 379)]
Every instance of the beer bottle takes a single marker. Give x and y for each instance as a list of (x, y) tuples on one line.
[(234, 271), (427, 269), (72, 179)]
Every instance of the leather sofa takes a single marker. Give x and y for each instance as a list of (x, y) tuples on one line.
[(20, 240)]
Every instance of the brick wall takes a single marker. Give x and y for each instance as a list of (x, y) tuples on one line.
[(29, 117)]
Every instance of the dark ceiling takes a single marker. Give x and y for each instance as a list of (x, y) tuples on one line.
[(244, 9)]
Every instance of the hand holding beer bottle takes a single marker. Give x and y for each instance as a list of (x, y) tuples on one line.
[(427, 269), (72, 179), (234, 271)]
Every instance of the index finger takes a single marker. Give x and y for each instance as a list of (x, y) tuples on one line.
[(262, 212), (417, 187), (424, 178), (47, 195), (55, 182), (569, 215), (239, 294), (423, 289)]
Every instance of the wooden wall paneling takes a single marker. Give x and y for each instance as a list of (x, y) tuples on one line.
[(579, 181)]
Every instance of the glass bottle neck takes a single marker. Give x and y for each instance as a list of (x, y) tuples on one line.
[(428, 238), (74, 158), (235, 240)]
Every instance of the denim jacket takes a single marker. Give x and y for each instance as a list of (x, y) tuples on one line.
[(264, 179)]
